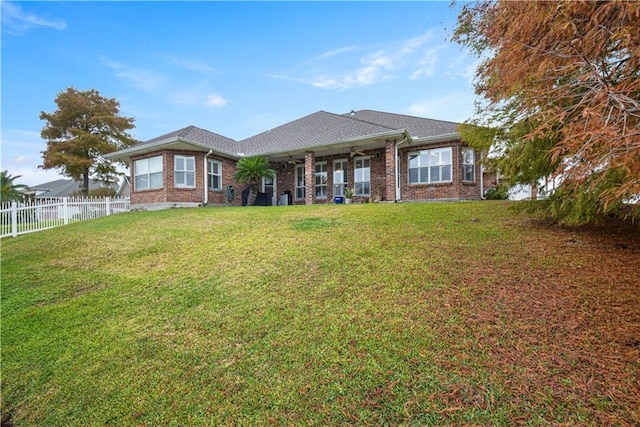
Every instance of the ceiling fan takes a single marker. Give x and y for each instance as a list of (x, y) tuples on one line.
[(293, 161), (355, 152)]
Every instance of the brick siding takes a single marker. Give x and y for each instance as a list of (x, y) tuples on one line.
[(382, 178), (169, 193)]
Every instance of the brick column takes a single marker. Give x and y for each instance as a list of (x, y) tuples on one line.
[(309, 169), (390, 170)]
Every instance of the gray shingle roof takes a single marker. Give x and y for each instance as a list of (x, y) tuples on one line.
[(196, 134), (416, 126), (315, 129), (64, 187)]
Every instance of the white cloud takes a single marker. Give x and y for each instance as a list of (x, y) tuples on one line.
[(368, 65), (16, 21), (141, 79), (464, 67), (199, 95), (196, 65), (215, 101), (21, 159), (21, 156), (33, 176), (455, 107), (426, 65), (331, 53)]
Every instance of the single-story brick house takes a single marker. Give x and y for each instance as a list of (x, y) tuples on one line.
[(383, 156)]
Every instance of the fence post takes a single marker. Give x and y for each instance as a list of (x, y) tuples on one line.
[(65, 211), (108, 205), (14, 219)]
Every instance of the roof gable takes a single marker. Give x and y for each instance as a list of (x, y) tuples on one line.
[(418, 127), (202, 136), (315, 129)]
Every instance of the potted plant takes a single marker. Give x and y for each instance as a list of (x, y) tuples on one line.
[(348, 195), (250, 170)]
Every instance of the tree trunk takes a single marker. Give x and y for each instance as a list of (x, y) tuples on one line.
[(253, 195), (85, 183)]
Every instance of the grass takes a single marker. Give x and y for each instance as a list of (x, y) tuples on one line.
[(397, 314)]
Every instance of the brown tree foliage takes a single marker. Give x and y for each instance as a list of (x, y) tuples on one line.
[(84, 128), (572, 68)]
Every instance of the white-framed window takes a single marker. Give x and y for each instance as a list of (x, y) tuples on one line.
[(147, 173), (184, 171), (214, 173), (299, 178), (320, 180), (339, 177), (430, 166), (468, 164), (362, 176)]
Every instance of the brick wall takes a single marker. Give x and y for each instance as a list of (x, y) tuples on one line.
[(219, 197), (390, 170), (169, 193), (453, 190), (382, 178), (286, 176)]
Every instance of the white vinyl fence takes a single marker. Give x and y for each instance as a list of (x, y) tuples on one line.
[(39, 214)]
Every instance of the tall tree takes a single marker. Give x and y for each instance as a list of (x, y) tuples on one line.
[(84, 128), (250, 170), (561, 82), (10, 191)]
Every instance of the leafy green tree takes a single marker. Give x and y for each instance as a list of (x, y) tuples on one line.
[(250, 170), (84, 128), (10, 190), (560, 97)]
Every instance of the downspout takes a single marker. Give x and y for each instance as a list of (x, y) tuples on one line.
[(397, 174), (482, 175), (205, 199)]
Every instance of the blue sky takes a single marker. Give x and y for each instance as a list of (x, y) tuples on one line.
[(234, 68)]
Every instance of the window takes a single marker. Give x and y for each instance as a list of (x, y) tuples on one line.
[(362, 176), (147, 173), (320, 180), (339, 176), (215, 175), (430, 166), (184, 171), (299, 177), (468, 165)]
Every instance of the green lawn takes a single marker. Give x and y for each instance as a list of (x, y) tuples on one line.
[(397, 314)]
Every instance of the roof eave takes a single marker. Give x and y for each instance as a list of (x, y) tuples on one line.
[(435, 139), (126, 154), (345, 143)]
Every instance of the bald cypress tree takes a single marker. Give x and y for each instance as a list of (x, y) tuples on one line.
[(84, 128), (560, 84)]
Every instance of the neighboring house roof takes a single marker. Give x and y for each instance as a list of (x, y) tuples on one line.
[(318, 131), (64, 187), (124, 190)]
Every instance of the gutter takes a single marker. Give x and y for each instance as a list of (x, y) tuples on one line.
[(153, 146), (344, 142), (438, 138), (204, 179), (482, 175)]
